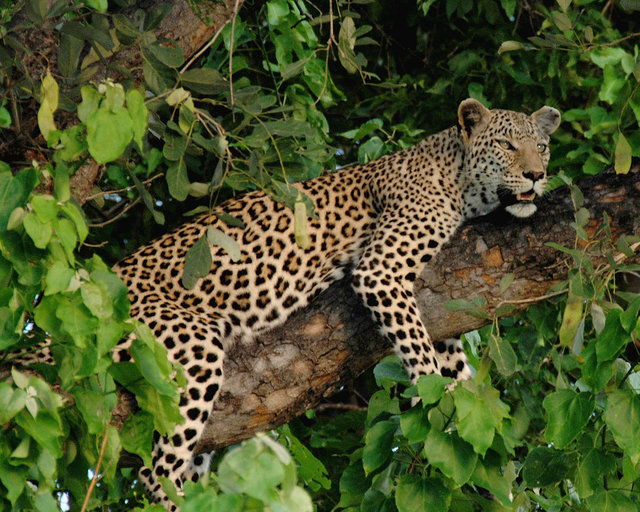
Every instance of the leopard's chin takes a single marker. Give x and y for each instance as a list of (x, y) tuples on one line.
[(522, 209)]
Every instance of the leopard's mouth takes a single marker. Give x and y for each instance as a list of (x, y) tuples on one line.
[(526, 196), (507, 197)]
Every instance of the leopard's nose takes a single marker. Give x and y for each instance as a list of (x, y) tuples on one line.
[(534, 175)]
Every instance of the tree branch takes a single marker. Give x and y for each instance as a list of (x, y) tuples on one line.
[(328, 344)]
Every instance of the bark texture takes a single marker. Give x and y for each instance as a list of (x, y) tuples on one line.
[(329, 343)]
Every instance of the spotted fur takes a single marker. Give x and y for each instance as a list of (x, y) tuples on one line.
[(385, 220)]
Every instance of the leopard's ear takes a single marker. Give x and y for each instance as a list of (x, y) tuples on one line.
[(547, 119), (472, 117)]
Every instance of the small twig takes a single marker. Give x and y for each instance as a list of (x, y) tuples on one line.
[(231, 43), (339, 407), (621, 256), (532, 299), (205, 47), (95, 478), (124, 210), (125, 189)]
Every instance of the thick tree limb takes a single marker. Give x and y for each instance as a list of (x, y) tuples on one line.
[(328, 344)]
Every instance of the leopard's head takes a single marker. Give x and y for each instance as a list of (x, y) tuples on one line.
[(506, 156)]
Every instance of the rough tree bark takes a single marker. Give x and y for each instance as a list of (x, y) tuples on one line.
[(329, 343)]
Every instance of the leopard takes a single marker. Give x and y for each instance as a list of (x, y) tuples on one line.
[(379, 222)]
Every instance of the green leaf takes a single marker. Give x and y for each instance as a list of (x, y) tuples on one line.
[(108, 134), (300, 224), (168, 52), (622, 162), (502, 354), (415, 494), (479, 412), (93, 408), (204, 81), (12, 195), (378, 444), (12, 401), (178, 180), (40, 232), (622, 416), (146, 361), (506, 281), (137, 436), (490, 477), (48, 105), (432, 387), (568, 413), (612, 339), (611, 501), (139, 115), (230, 220), (90, 102), (545, 466), (97, 300), (57, 278), (221, 239), (69, 54), (451, 455), (197, 263), (14, 479), (591, 470), (415, 424)]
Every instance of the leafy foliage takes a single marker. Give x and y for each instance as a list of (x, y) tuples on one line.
[(285, 90)]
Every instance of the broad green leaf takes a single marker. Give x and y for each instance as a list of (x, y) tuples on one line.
[(197, 263), (93, 408), (48, 105), (378, 444), (622, 162), (14, 479), (611, 501), (502, 354), (221, 239), (40, 232), (12, 401), (46, 429), (545, 466), (416, 494), (311, 469), (204, 81), (178, 180), (479, 412), (168, 52), (506, 281), (139, 115), (568, 413), (571, 319), (57, 278), (390, 372), (90, 102), (612, 339), (431, 387), (108, 134), (45, 207), (490, 477), (591, 470), (97, 300), (622, 416), (146, 361), (11, 196), (451, 455), (415, 424)]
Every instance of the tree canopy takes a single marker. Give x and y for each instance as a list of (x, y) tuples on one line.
[(115, 127)]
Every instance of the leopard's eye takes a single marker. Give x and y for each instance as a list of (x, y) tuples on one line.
[(505, 144), (541, 147)]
